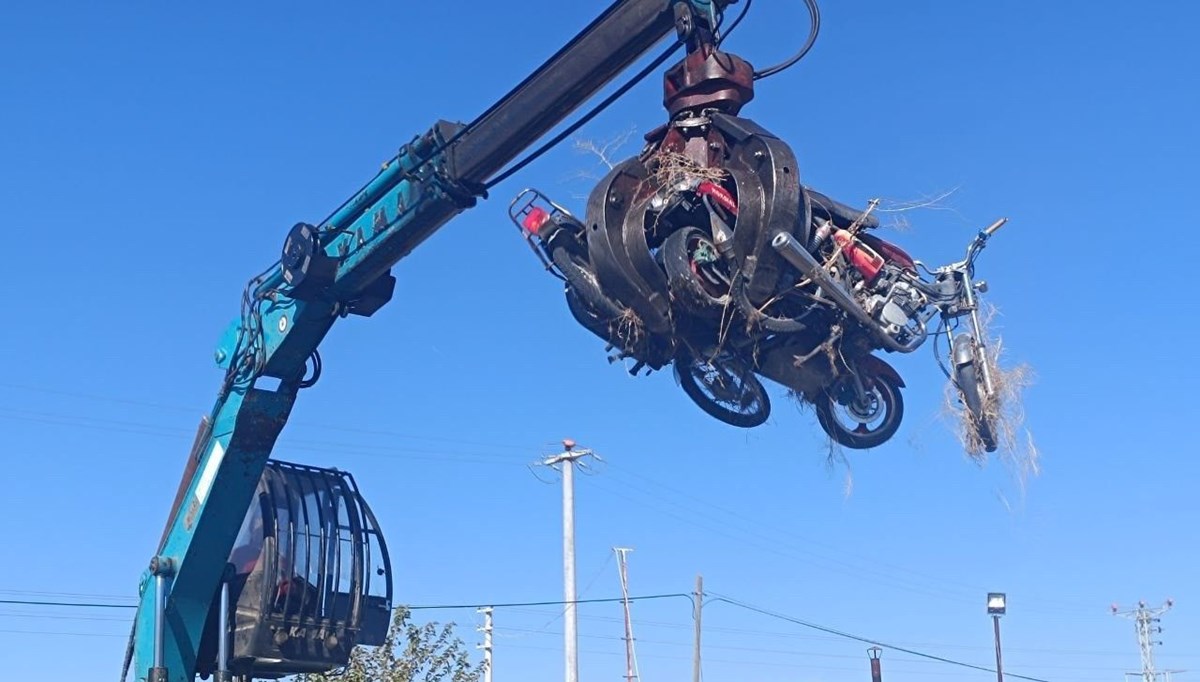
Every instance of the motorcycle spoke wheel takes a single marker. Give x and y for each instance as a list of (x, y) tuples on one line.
[(724, 388), (864, 425)]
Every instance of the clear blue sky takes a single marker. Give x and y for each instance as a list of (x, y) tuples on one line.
[(154, 157)]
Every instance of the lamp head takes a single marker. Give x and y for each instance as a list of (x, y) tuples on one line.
[(996, 603)]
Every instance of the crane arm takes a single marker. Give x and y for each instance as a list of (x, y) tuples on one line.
[(339, 267)]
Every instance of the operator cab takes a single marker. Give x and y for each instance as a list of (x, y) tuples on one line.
[(309, 577)]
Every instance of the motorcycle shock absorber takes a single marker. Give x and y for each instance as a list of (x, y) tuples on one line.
[(722, 233), (824, 229)]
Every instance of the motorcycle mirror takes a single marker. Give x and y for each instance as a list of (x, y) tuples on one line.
[(981, 286)]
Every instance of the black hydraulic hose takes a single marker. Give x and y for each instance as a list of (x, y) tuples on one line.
[(570, 130), (740, 16), (128, 652), (814, 14)]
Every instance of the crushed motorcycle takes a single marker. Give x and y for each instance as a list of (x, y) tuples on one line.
[(847, 296), (705, 252)]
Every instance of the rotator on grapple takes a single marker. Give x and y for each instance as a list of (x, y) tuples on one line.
[(706, 252)]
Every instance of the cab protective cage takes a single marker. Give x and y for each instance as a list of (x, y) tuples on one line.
[(309, 578)]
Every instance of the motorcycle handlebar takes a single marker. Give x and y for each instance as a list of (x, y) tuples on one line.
[(991, 230)]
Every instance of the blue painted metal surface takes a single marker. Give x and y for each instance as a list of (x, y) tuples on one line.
[(275, 336)]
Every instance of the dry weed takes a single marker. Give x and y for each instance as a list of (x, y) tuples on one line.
[(669, 171), (629, 328), (1005, 410)]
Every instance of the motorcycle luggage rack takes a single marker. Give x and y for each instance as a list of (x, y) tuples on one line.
[(309, 577), (529, 211)]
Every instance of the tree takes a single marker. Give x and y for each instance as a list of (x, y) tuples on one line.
[(410, 653)]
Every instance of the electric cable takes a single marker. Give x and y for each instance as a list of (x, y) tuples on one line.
[(82, 605), (717, 597), (419, 607), (721, 598), (559, 602)]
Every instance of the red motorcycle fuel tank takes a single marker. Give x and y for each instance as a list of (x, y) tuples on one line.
[(863, 257), (890, 252)]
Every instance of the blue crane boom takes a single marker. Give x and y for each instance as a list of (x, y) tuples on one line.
[(340, 267)]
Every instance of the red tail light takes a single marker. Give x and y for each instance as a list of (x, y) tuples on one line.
[(535, 219)]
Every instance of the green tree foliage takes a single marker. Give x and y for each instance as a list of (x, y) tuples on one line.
[(411, 653)]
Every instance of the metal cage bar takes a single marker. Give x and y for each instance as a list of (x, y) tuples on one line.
[(305, 600)]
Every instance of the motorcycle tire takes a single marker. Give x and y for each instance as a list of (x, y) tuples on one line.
[(582, 280), (589, 318), (886, 392), (750, 392), (683, 279), (966, 378)]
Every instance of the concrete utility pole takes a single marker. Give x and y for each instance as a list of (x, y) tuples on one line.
[(565, 462), (487, 643), (622, 567), (1144, 621)]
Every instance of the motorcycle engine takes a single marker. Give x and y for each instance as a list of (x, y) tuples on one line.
[(900, 308)]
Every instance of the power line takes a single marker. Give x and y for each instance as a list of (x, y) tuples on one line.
[(847, 635), (776, 539), (758, 634), (926, 584), (419, 607), (88, 605), (558, 602)]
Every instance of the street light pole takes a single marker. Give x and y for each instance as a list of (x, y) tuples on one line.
[(997, 606), (999, 666)]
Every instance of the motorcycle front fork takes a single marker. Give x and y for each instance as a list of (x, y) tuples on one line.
[(972, 304)]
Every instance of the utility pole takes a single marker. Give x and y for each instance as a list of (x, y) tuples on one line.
[(565, 462), (697, 605), (876, 668), (624, 572), (1144, 621), (487, 643)]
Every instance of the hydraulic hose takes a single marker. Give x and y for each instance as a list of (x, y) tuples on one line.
[(814, 14)]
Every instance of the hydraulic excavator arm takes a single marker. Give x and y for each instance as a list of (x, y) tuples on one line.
[(340, 267)]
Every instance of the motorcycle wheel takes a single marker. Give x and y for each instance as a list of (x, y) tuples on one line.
[(690, 281), (970, 387), (582, 280), (588, 317), (886, 407), (724, 388)]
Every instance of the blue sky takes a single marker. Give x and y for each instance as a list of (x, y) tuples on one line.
[(154, 157)]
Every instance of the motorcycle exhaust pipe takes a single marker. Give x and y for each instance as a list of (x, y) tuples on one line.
[(798, 256)]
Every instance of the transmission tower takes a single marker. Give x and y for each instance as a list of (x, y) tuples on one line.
[(1146, 621)]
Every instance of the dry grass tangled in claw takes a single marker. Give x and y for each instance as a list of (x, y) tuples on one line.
[(672, 169), (1014, 442), (629, 328)]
